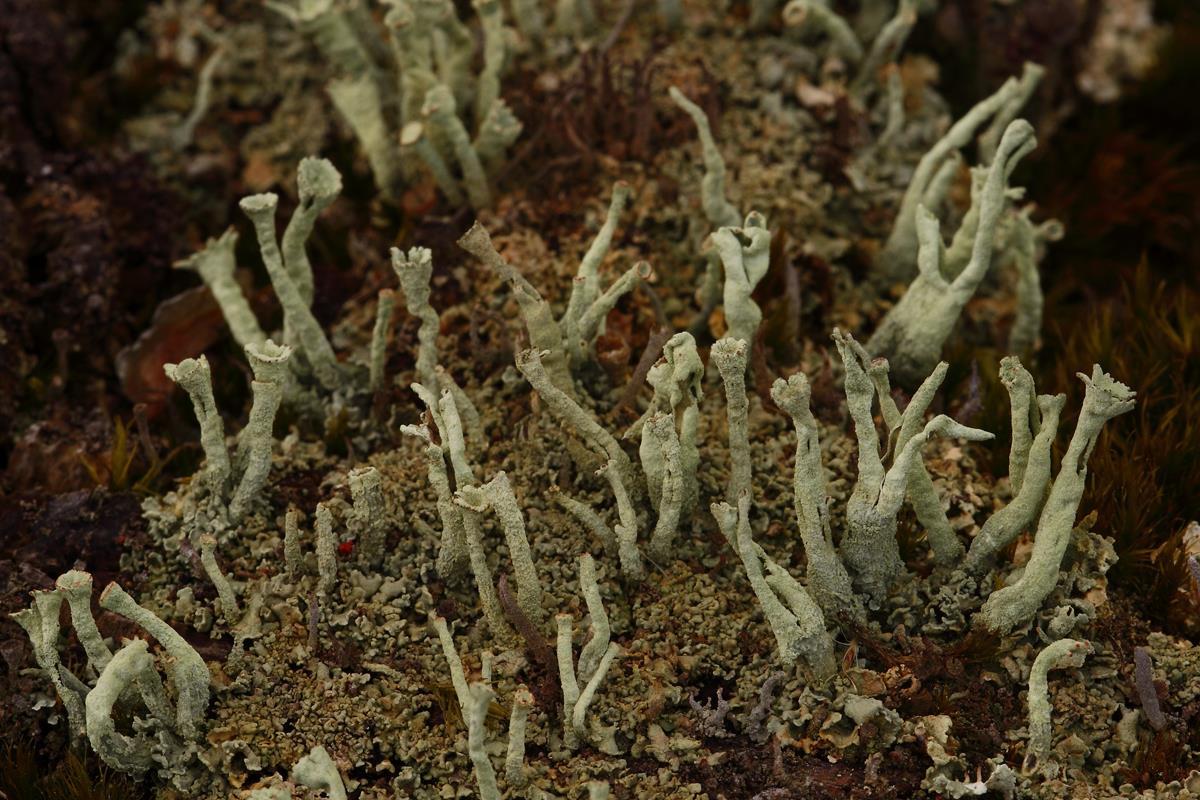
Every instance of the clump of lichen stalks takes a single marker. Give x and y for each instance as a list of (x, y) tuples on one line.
[(780, 588)]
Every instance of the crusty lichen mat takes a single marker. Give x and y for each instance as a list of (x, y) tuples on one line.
[(528, 567)]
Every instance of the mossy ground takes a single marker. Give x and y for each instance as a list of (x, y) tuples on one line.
[(375, 691)]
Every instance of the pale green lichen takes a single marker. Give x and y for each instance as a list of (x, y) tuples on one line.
[(327, 543), (571, 414), (1016, 604), (481, 696), (799, 626), (870, 548), (317, 770), (886, 44), (440, 113), (897, 260), (575, 701), (76, 586), (911, 335), (384, 307), (731, 356), (545, 334), (40, 622), (719, 211), (228, 598), (369, 514), (1063, 654), (122, 753), (215, 264), (253, 458), (828, 580), (358, 100), (415, 140), (745, 254), (514, 758), (310, 339), (922, 495), (594, 649), (678, 383), (1029, 465), (318, 184), (816, 18), (661, 428), (195, 378), (499, 494)]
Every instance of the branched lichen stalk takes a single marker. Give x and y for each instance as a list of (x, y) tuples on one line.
[(871, 529), (453, 557), (898, 256), (571, 414), (40, 622), (1014, 605), (745, 255), (989, 140), (122, 753), (586, 286), (1009, 522), (260, 208), (579, 715), (545, 334), (912, 333), (591, 322), (922, 495), (801, 636), (188, 669)]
